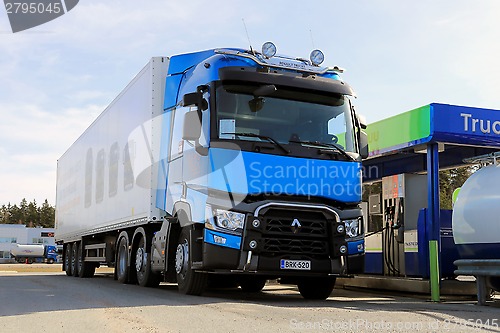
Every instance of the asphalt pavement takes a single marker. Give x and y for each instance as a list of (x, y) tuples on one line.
[(53, 302)]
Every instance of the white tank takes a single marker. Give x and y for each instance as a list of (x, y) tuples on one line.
[(27, 251), (476, 215)]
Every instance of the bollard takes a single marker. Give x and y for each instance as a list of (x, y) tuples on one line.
[(434, 270)]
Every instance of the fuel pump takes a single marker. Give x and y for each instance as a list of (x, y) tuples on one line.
[(403, 196), (393, 235)]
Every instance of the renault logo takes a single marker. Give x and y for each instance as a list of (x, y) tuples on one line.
[(296, 226)]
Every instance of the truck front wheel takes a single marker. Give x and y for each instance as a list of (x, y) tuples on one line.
[(316, 288), (189, 281)]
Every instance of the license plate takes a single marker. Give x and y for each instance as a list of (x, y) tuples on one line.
[(303, 265)]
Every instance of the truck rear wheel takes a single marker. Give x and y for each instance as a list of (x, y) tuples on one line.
[(122, 261), (189, 281), (67, 259), (75, 254), (316, 288), (145, 276), (85, 269)]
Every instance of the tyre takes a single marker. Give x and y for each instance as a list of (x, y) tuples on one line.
[(50, 261), (189, 281), (122, 261), (30, 261), (142, 264), (67, 259), (252, 284), (85, 269), (75, 254), (316, 288)]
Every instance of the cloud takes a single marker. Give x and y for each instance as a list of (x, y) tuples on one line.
[(31, 141)]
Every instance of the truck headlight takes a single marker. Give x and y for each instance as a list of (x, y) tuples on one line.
[(352, 227), (228, 220)]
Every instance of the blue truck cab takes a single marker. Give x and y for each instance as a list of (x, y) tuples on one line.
[(261, 161)]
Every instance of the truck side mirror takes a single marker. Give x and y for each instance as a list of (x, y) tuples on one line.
[(192, 126), (363, 144), (196, 99)]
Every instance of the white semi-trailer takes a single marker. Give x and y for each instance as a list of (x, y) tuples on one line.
[(226, 162)]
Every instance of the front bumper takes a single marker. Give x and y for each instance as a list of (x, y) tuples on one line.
[(275, 237)]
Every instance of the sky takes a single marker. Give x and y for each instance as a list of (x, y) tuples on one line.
[(399, 55)]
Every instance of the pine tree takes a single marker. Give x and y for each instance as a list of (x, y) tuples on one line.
[(4, 215), (47, 215), (16, 215), (32, 214), (449, 181)]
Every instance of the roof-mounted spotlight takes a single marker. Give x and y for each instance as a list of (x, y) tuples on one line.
[(317, 57), (268, 50)]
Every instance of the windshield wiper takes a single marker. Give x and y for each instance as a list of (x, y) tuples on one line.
[(262, 137), (326, 145)]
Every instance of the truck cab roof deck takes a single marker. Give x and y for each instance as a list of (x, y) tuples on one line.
[(312, 82), (283, 62)]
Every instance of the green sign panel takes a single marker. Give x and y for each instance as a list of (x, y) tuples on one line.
[(403, 130)]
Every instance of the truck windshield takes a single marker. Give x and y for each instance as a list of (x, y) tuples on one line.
[(285, 115)]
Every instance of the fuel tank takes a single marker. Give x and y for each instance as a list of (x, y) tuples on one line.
[(476, 215), (33, 250)]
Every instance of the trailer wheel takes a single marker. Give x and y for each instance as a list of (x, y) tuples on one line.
[(30, 261), (67, 259), (122, 261), (252, 284), (142, 262), (316, 288), (86, 269), (75, 253), (189, 281)]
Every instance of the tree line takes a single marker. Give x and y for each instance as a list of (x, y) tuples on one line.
[(29, 214)]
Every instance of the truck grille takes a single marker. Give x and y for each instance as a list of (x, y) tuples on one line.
[(295, 246), (311, 225), (282, 237), (279, 222)]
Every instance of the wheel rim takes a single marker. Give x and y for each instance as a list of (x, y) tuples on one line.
[(139, 259), (181, 258)]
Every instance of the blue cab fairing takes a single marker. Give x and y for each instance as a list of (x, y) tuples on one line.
[(245, 172)]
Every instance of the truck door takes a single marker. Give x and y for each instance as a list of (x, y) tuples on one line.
[(176, 152)]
